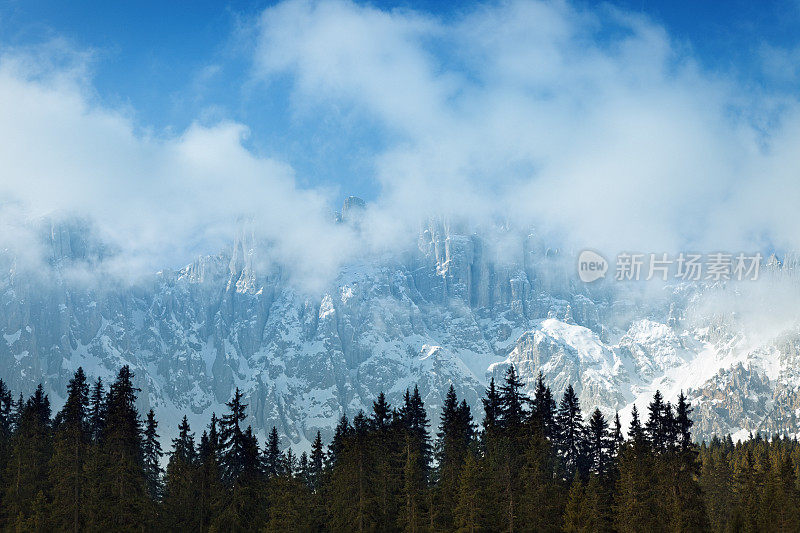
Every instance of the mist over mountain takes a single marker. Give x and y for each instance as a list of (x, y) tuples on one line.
[(457, 305)]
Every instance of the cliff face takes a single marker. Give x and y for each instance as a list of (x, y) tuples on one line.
[(454, 310)]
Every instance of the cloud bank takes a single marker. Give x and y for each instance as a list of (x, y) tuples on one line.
[(592, 122), (158, 201), (592, 125)]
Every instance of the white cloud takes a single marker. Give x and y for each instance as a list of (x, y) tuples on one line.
[(590, 122), (158, 200)]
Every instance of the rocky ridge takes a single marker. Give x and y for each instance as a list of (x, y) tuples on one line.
[(450, 310)]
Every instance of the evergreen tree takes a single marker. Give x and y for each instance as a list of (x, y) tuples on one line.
[(387, 447), (241, 471), (635, 431), (235, 448), (668, 429), (492, 407), (381, 412), (243, 508), (542, 497), (617, 438), (360, 423), (455, 435), (6, 428), (416, 457), (6, 412), (151, 455), (681, 498), (209, 477), (654, 428), (304, 470), (352, 499), (781, 499), (273, 464), (120, 501), (683, 423), (317, 462), (289, 503), (511, 401), (289, 463), (60, 475), (597, 443), (97, 410), (181, 490), (213, 434), (448, 422), (570, 439), (637, 505), (183, 447), (576, 513), (745, 493), (412, 513), (68, 469), (543, 408), (504, 459), (27, 469), (469, 514), (415, 422), (343, 429), (17, 410), (597, 505), (716, 481)]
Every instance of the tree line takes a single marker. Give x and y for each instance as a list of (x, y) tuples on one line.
[(533, 464)]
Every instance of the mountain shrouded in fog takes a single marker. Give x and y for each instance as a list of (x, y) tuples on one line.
[(456, 307)]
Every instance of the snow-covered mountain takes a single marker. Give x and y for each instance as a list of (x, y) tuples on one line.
[(451, 309)]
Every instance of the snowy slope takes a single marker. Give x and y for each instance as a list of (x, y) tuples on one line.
[(447, 312)]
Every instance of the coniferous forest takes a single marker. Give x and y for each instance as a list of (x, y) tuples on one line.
[(532, 464)]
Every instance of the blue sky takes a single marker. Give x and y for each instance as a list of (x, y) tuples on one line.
[(156, 57), (172, 63)]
